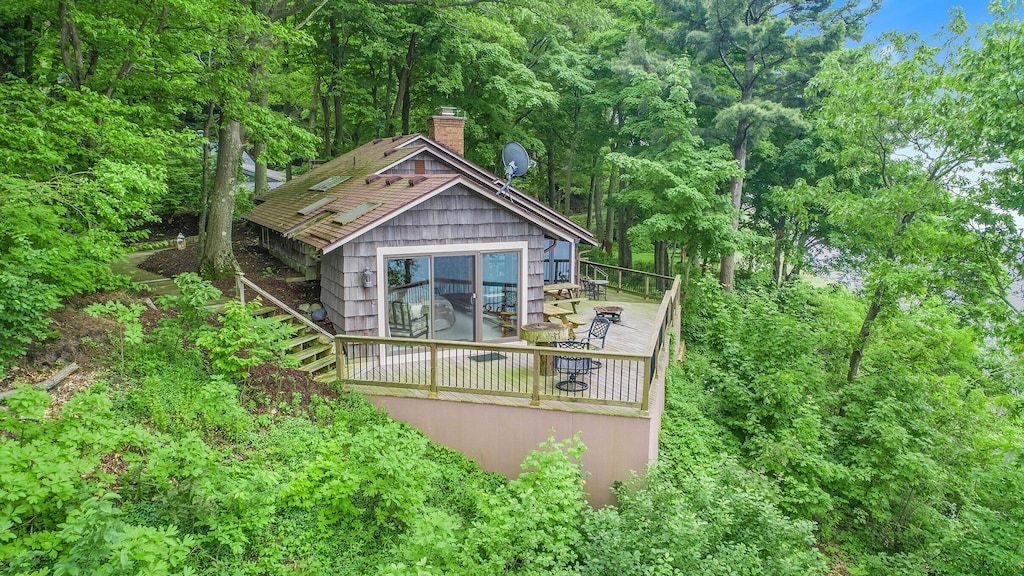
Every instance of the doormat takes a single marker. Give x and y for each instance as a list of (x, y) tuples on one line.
[(487, 357)]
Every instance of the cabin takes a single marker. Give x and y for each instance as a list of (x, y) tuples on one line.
[(410, 239), (442, 289)]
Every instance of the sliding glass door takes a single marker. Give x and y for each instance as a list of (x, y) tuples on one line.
[(454, 295), (501, 295), (465, 297)]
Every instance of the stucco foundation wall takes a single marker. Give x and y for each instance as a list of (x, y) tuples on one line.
[(498, 438)]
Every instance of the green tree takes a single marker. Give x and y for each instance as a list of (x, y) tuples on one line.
[(893, 118), (670, 179), (88, 139), (759, 55)]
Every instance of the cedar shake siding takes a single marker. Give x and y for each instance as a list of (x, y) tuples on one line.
[(298, 256), (456, 216)]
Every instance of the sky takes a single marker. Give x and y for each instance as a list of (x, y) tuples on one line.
[(922, 16)]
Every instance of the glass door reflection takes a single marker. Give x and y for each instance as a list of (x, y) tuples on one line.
[(500, 306)]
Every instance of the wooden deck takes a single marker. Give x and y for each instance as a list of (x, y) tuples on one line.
[(518, 374)]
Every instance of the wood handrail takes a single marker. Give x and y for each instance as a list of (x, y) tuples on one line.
[(243, 281), (632, 270)]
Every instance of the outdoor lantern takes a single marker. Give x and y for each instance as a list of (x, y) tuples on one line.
[(368, 280)]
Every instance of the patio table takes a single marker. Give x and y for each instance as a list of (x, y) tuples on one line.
[(544, 334), (564, 293)]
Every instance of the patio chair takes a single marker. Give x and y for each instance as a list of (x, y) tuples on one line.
[(594, 340), (598, 331), (572, 367), (404, 321)]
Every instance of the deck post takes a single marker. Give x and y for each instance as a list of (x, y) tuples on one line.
[(339, 359), (240, 286), (620, 280), (647, 287), (433, 370), (645, 402), (535, 394)]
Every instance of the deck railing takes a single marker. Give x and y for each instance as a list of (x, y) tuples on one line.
[(626, 280), (508, 370)]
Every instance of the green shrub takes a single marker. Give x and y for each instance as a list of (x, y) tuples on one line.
[(721, 523)]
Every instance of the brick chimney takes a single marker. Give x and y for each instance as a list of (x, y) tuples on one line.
[(447, 129)]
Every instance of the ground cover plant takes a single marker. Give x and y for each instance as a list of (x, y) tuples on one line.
[(178, 460), (912, 468), (164, 467)]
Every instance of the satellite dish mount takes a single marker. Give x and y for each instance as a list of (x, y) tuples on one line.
[(516, 162)]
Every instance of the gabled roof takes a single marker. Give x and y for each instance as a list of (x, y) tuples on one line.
[(352, 194)]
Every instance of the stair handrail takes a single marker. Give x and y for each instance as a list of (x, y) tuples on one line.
[(241, 282)]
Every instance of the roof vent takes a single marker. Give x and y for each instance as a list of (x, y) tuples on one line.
[(392, 179), (390, 152), (416, 180), (372, 178)]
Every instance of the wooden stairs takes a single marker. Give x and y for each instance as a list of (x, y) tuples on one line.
[(313, 350)]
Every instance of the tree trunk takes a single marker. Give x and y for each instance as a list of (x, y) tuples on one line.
[(865, 330), (727, 267), (592, 205), (568, 177), (204, 198), (625, 248), (691, 263), (552, 199), (218, 258), (778, 258), (609, 217), (314, 106), (260, 184), (876, 305), (800, 250), (401, 106), (662, 263), (325, 105), (339, 63)]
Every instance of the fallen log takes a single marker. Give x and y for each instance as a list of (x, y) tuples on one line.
[(50, 382)]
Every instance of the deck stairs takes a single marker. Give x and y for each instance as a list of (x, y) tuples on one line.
[(314, 351)]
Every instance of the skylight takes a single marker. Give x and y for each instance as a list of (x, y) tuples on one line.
[(318, 204), (329, 183), (356, 212)]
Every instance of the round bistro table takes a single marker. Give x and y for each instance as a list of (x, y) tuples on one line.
[(545, 334)]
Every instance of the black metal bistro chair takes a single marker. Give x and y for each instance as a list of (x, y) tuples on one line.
[(597, 333), (594, 340), (572, 367)]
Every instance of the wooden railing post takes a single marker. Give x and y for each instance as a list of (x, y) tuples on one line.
[(433, 370), (535, 393), (339, 358), (645, 401), (647, 287), (240, 286)]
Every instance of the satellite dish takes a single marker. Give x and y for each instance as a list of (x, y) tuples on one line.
[(515, 159), (516, 162)]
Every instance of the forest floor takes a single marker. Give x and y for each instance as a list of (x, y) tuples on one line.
[(83, 339), (259, 266)]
